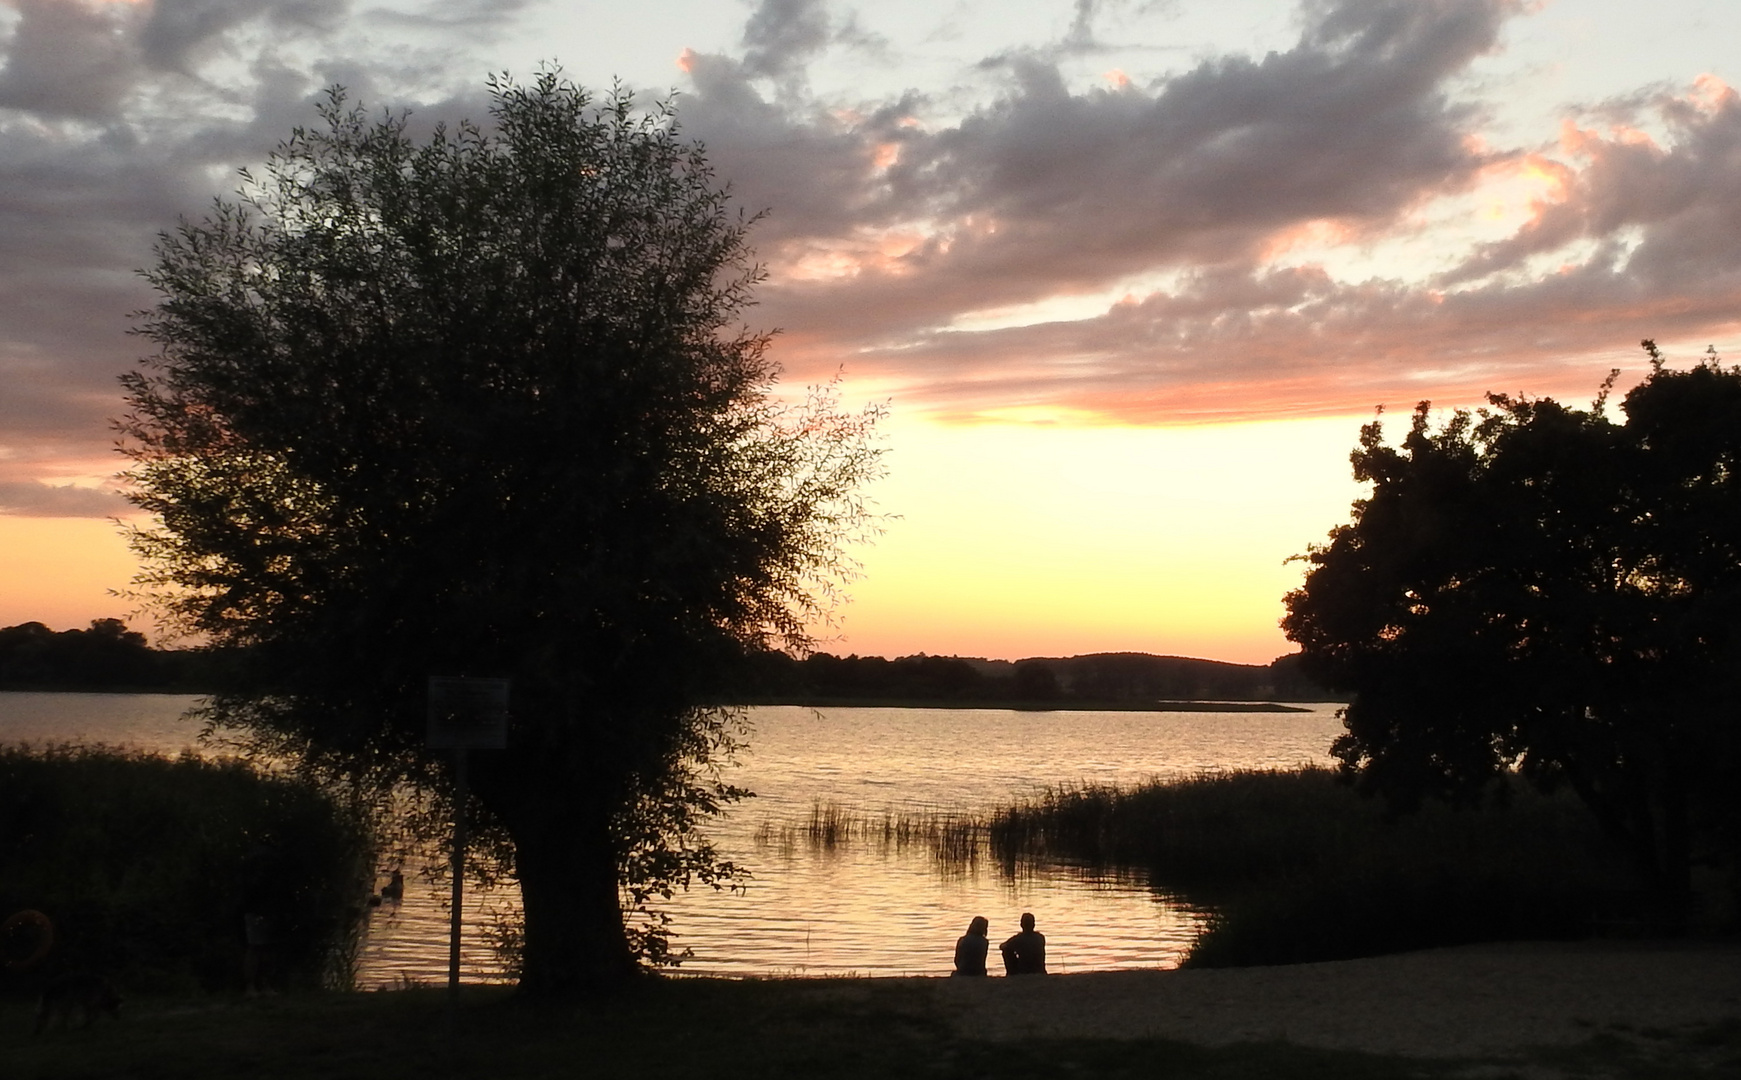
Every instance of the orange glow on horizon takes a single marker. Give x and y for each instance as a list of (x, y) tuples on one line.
[(63, 572), (1028, 540)]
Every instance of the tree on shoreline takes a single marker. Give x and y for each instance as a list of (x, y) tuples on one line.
[(1539, 587), (481, 405)]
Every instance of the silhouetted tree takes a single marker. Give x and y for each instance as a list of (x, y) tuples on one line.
[(106, 655), (1036, 681), (480, 405), (1541, 587)]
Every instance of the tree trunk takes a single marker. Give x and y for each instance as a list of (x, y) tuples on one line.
[(574, 940)]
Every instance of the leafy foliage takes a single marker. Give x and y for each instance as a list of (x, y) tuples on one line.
[(481, 405), (1542, 587)]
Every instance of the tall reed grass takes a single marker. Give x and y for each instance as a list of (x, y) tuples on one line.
[(1293, 865), (147, 865), (954, 840), (1298, 867)]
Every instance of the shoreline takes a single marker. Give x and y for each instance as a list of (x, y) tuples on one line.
[(1463, 1001), (990, 704), (1627, 1010), (1062, 706)]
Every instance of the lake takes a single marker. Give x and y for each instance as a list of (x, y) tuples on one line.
[(862, 906)]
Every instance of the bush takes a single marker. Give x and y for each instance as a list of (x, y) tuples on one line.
[(1297, 867), (147, 865)]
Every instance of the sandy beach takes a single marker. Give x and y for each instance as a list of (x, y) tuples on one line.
[(1472, 1001)]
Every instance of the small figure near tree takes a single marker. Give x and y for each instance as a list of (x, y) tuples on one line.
[(1541, 588)]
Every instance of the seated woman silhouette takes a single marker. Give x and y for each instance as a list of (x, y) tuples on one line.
[(971, 947), (1025, 953)]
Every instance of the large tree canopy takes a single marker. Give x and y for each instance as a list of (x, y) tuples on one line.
[(481, 405), (1542, 587)]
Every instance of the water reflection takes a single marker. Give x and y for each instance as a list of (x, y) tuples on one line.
[(876, 900)]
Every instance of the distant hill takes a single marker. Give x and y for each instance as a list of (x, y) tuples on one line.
[(1098, 679)]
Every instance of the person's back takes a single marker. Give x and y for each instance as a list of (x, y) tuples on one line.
[(971, 947), (1025, 953)]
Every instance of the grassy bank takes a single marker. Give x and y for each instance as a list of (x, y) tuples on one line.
[(701, 1027), (1300, 868), (146, 867)]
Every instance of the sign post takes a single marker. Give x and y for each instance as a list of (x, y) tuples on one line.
[(464, 714)]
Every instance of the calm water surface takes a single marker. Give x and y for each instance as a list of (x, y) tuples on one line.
[(864, 906)]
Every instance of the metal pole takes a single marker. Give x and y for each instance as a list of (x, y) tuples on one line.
[(459, 800)]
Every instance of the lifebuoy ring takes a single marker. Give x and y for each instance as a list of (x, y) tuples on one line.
[(19, 926)]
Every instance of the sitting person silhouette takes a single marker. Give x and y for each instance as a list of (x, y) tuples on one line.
[(971, 947), (1025, 953)]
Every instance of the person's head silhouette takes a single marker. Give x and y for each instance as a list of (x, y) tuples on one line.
[(1027, 920), (980, 925)]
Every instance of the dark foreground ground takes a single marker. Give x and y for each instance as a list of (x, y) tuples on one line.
[(1630, 1010)]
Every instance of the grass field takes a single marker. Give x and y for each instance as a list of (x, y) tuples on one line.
[(705, 1027)]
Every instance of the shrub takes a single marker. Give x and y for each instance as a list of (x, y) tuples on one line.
[(147, 865)]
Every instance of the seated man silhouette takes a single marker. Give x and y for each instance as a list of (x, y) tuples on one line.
[(1025, 954)]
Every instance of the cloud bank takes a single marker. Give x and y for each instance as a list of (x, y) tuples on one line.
[(1173, 216), (1311, 231)]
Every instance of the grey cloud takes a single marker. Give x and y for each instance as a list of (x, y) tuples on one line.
[(69, 59), (84, 60), (180, 31), (812, 172), (79, 208), (782, 36), (1346, 125), (1081, 35), (473, 16), (31, 499), (76, 217), (854, 36), (1681, 199), (1236, 342), (1047, 191)]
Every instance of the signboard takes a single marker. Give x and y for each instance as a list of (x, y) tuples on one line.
[(468, 714)]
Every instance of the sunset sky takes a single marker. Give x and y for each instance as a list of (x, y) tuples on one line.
[(1129, 275)]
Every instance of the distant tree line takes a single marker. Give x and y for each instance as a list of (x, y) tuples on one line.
[(1098, 678), (109, 656), (106, 656)]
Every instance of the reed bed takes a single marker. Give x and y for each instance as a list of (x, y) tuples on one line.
[(1293, 865), (954, 840), (1298, 867), (146, 866)]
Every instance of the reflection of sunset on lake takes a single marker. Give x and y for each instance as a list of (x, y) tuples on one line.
[(863, 905)]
